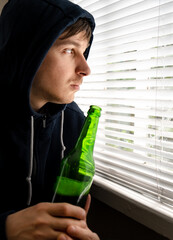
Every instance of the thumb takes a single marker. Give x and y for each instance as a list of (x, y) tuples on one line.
[(88, 203)]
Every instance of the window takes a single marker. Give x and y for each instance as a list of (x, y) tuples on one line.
[(131, 62)]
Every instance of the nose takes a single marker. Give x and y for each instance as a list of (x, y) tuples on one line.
[(82, 68)]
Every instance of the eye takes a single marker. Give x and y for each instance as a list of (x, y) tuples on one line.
[(69, 51)]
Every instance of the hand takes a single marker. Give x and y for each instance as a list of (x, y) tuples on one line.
[(45, 221), (80, 233)]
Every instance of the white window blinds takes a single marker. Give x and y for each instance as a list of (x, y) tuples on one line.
[(132, 80)]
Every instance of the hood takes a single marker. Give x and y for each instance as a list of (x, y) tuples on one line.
[(28, 28)]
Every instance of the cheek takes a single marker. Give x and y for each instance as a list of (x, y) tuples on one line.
[(57, 66), (56, 69)]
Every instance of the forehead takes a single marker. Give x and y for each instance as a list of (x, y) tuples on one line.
[(79, 40)]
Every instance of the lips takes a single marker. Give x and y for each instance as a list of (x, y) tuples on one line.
[(75, 86)]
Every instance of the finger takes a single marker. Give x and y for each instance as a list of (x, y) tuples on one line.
[(88, 203), (61, 224), (80, 233), (64, 237), (66, 210)]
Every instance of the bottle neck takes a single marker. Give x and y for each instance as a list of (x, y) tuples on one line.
[(88, 133)]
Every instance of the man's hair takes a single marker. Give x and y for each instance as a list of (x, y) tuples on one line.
[(81, 25)]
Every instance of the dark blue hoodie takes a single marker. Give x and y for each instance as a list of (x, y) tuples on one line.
[(31, 143)]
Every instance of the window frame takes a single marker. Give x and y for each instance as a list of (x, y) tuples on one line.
[(153, 214)]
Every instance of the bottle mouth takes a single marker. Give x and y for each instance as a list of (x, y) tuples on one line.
[(95, 109)]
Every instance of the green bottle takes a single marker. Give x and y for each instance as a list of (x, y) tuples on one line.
[(77, 168)]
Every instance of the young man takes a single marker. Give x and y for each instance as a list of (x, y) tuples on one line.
[(44, 45)]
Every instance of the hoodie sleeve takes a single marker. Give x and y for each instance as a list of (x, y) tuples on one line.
[(3, 218)]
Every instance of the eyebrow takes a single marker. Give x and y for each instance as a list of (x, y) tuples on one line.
[(69, 42)]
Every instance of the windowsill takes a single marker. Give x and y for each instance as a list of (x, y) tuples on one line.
[(136, 206)]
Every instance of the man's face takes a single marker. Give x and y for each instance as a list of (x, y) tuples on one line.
[(61, 72)]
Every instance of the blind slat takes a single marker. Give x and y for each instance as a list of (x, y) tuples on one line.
[(101, 49), (125, 83)]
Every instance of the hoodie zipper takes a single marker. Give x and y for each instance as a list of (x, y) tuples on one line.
[(62, 144), (32, 165)]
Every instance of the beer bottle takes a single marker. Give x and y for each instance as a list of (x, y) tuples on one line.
[(77, 168)]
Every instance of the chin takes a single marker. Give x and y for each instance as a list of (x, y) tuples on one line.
[(70, 100), (67, 101)]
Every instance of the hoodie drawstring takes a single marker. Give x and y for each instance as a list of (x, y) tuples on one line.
[(61, 135), (28, 179)]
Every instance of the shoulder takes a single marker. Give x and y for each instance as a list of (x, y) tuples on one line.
[(74, 110)]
